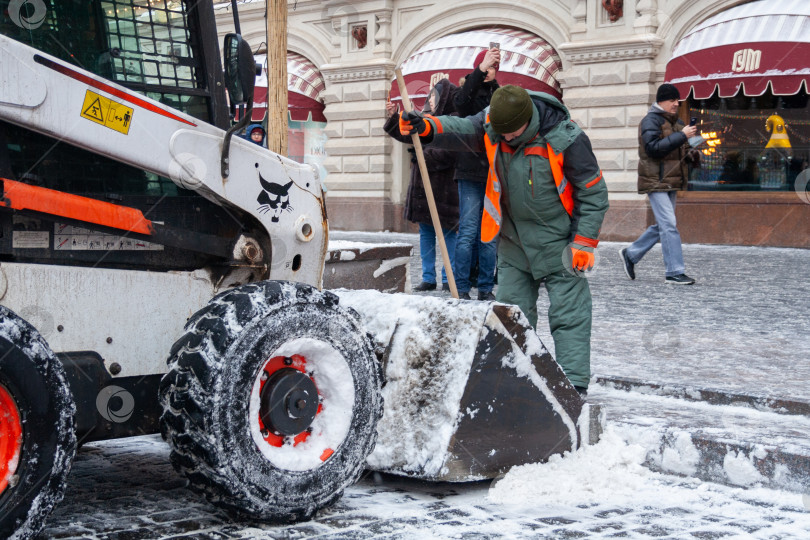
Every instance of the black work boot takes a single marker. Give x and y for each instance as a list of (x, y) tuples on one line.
[(486, 296), (425, 286)]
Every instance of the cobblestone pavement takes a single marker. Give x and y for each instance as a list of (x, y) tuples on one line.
[(127, 490), (741, 328)]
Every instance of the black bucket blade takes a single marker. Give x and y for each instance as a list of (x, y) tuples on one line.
[(470, 391)]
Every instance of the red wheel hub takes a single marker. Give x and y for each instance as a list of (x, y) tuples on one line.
[(10, 437), (278, 369)]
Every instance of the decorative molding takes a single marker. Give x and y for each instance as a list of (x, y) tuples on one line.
[(334, 73), (635, 48), (646, 15), (382, 34)]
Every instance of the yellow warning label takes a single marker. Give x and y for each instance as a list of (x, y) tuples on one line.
[(107, 112)]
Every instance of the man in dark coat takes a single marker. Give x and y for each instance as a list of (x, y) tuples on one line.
[(471, 174), (662, 172), (441, 167)]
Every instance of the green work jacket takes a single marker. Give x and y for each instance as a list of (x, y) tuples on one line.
[(536, 228)]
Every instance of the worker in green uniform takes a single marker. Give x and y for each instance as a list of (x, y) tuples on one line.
[(546, 200)]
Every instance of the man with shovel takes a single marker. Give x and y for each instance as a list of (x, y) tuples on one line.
[(546, 196)]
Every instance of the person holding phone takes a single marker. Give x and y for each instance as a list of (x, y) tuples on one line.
[(441, 168), (471, 176), (662, 171)]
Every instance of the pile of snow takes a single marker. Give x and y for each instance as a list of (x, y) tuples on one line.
[(361, 247), (610, 470), (431, 344)]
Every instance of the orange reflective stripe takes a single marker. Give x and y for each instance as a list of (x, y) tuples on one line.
[(594, 181), (585, 241), (506, 148), (21, 196), (565, 189), (491, 216), (536, 151), (439, 128)]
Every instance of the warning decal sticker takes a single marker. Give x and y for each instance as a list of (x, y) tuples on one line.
[(107, 112)]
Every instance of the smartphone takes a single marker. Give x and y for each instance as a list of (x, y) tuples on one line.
[(494, 45), (692, 121)]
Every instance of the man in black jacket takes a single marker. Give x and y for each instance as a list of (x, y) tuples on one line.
[(471, 174), (662, 172)]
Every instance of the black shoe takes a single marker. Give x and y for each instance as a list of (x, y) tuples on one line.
[(581, 390), (629, 268), (425, 286), (463, 296), (486, 296), (680, 279), (445, 286)]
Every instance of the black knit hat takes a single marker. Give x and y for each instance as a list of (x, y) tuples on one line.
[(666, 92), (510, 109)]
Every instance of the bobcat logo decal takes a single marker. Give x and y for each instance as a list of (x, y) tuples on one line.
[(275, 197)]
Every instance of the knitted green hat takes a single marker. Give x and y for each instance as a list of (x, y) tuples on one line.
[(510, 109)]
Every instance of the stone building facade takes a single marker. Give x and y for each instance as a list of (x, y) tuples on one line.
[(611, 69)]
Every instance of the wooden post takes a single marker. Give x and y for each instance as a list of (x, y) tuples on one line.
[(277, 114), (434, 214)]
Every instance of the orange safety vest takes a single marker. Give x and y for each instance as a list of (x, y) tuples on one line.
[(491, 219)]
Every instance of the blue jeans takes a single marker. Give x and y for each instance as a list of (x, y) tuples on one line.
[(665, 230), (471, 207), (427, 250)]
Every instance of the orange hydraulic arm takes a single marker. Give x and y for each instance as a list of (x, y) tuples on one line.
[(21, 196), (75, 208)]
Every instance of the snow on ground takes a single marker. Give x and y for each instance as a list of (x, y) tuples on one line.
[(126, 489), (361, 247)]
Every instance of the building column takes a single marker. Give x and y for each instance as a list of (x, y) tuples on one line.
[(609, 83), (362, 193)]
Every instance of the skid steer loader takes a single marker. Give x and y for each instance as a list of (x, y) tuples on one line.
[(134, 226)]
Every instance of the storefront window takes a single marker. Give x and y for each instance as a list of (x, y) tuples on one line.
[(307, 144), (752, 143)]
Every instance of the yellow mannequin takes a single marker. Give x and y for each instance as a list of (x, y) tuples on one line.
[(775, 125)]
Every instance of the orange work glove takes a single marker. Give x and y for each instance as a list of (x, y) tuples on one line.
[(582, 258), (413, 122)]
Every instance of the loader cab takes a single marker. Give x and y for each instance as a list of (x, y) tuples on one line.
[(164, 49)]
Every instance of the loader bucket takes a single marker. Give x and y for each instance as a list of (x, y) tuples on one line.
[(470, 391)]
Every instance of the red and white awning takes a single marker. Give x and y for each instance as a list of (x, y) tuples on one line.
[(749, 47), (526, 60), (304, 86)]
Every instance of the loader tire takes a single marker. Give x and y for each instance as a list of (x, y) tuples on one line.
[(37, 439), (248, 350)]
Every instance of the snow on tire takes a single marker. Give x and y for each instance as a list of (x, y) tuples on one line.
[(271, 400), (37, 439)]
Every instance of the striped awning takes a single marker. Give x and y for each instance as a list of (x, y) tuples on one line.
[(304, 86), (746, 48), (526, 60)]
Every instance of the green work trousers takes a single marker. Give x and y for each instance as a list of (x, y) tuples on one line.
[(569, 314)]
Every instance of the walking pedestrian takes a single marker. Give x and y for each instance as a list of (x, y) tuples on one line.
[(441, 168), (546, 197), (662, 172), (471, 175)]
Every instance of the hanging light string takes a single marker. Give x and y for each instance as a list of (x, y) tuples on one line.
[(751, 117)]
